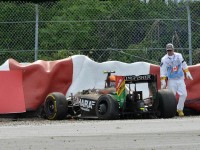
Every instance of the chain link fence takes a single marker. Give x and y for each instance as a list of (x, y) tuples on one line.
[(128, 31)]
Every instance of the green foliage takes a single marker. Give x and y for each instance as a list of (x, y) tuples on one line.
[(29, 1), (56, 55), (11, 18), (194, 7), (196, 56), (128, 30)]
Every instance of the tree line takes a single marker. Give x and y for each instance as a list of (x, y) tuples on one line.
[(91, 26)]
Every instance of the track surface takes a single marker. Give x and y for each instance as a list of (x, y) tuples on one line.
[(149, 134)]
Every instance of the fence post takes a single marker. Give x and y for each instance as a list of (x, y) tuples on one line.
[(189, 33), (36, 31)]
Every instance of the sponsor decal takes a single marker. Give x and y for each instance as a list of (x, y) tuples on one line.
[(138, 78), (86, 104), (175, 69), (120, 84)]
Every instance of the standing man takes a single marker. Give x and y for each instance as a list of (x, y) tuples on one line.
[(171, 68)]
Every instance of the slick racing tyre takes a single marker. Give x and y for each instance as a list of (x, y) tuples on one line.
[(167, 103), (107, 108), (55, 106)]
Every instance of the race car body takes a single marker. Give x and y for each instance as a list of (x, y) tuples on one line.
[(117, 100)]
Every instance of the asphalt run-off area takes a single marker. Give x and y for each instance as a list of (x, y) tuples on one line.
[(153, 134)]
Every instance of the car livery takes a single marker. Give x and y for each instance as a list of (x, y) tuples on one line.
[(113, 102)]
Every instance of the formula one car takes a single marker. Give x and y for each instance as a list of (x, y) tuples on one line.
[(117, 100)]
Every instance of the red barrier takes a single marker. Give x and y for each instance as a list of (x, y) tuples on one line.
[(43, 77), (11, 91)]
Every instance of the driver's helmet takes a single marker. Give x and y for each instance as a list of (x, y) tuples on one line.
[(112, 78), (112, 81)]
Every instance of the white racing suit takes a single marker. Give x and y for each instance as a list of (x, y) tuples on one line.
[(172, 67)]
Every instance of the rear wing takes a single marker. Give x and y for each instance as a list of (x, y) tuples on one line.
[(132, 79)]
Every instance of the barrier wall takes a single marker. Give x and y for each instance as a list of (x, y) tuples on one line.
[(77, 73), (11, 92)]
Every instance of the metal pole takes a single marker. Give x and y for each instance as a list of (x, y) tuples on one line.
[(189, 33), (36, 31)]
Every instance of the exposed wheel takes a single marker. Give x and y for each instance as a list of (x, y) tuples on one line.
[(107, 108), (167, 103), (55, 106)]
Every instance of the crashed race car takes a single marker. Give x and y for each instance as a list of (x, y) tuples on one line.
[(116, 101)]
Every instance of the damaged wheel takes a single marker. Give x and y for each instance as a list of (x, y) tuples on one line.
[(107, 108), (55, 106)]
